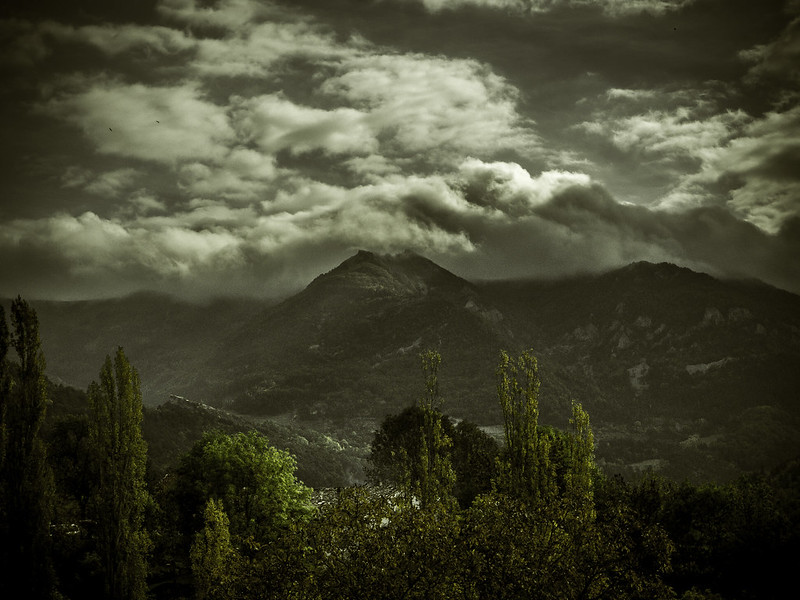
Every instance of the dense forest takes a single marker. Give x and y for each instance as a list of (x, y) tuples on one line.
[(448, 511)]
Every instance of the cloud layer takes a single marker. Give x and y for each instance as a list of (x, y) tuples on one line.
[(244, 147)]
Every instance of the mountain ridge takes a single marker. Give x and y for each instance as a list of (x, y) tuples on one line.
[(659, 355)]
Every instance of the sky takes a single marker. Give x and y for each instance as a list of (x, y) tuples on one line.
[(242, 147)]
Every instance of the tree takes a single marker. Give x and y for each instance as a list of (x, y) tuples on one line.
[(537, 534), (370, 543), (265, 508), (526, 471), (412, 449), (119, 500), (27, 481), (581, 471), (215, 562), (434, 472), (5, 384), (255, 481), (474, 459)]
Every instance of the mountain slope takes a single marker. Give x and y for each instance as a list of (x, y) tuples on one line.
[(663, 336), (680, 372), (167, 340), (350, 342)]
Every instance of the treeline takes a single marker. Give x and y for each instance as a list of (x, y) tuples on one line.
[(448, 513)]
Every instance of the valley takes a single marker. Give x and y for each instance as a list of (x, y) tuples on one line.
[(681, 373)]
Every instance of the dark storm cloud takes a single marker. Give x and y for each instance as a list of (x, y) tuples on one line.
[(583, 229), (244, 146)]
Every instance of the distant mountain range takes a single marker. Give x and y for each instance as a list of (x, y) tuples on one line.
[(679, 371)]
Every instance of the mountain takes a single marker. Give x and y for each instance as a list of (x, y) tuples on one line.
[(349, 343), (680, 372), (172, 428), (166, 339), (663, 338)]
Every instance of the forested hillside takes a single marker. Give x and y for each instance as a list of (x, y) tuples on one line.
[(685, 374), (448, 512)]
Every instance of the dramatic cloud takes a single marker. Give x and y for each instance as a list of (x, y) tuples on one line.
[(244, 146), (688, 130), (760, 168), (274, 124), (163, 124), (433, 105), (777, 59), (242, 176), (109, 184), (611, 7)]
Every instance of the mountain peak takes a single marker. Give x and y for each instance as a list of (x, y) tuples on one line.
[(404, 273)]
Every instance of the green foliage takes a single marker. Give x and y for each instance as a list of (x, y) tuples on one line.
[(396, 447), (119, 456), (374, 545), (737, 540), (413, 449), (431, 399), (26, 505), (525, 471), (215, 562), (70, 455), (474, 460), (581, 471), (254, 480), (431, 479), (549, 526)]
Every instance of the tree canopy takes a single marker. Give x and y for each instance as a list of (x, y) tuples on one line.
[(119, 457), (255, 482)]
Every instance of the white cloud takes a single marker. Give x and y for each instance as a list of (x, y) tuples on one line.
[(777, 59), (620, 8), (160, 123), (546, 224), (144, 203), (636, 95), (434, 105), (372, 168), (679, 132), (275, 124), (762, 164), (510, 188), (112, 183), (227, 14), (243, 176), (376, 112), (254, 50)]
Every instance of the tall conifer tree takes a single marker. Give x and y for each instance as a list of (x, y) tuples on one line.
[(120, 454), (27, 481), (4, 390)]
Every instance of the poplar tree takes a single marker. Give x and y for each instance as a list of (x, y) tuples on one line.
[(4, 390), (215, 562), (27, 481), (581, 471), (435, 472), (527, 472), (119, 454)]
